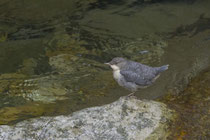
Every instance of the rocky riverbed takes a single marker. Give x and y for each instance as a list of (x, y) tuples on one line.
[(52, 54)]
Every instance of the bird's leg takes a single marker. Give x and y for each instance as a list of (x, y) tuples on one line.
[(131, 94)]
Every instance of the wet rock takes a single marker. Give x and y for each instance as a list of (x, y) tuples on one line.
[(127, 118), (45, 89), (193, 108)]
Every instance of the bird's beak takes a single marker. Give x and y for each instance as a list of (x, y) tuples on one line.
[(107, 63)]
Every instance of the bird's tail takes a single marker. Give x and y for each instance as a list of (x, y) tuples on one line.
[(163, 68)]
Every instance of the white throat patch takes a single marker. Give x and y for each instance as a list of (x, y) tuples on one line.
[(116, 72), (115, 67)]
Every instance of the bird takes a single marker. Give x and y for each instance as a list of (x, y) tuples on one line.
[(134, 75)]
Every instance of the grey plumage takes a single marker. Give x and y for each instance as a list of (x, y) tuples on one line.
[(133, 75)]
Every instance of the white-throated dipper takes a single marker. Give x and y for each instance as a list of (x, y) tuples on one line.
[(133, 75)]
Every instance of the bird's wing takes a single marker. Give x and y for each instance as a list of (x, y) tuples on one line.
[(131, 76), (146, 72)]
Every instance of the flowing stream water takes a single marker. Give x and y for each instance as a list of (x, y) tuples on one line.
[(52, 55)]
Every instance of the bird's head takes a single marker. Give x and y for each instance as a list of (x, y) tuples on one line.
[(117, 63)]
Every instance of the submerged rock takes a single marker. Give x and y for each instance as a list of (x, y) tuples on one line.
[(127, 118), (45, 89)]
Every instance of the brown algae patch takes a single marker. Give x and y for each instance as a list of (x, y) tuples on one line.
[(10, 82), (193, 108), (11, 115)]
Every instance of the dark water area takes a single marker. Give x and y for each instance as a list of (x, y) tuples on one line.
[(52, 53)]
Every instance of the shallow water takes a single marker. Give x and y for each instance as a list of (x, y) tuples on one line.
[(52, 54)]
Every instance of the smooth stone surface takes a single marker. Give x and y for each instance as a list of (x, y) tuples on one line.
[(126, 119)]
